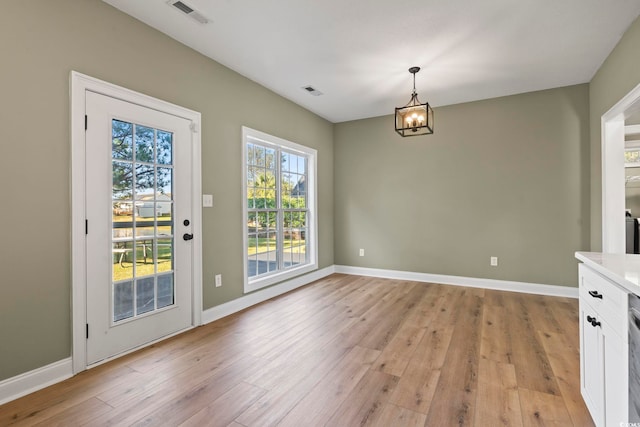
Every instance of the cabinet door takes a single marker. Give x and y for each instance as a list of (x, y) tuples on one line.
[(615, 384), (592, 365)]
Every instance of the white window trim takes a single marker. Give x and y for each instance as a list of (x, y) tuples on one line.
[(312, 265)]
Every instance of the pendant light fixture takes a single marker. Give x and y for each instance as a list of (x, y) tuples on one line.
[(414, 118)]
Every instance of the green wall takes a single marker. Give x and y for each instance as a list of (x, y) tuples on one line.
[(41, 41), (505, 177), (617, 76)]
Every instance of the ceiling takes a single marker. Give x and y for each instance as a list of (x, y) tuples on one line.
[(357, 52)]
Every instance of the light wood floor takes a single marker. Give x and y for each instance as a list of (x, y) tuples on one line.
[(344, 351)]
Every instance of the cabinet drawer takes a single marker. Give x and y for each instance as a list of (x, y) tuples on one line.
[(607, 299)]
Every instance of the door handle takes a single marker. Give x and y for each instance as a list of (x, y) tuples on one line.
[(187, 236), (593, 321), (595, 294)]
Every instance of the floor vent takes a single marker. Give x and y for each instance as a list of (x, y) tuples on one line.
[(189, 11)]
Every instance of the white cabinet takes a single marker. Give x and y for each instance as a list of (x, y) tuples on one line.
[(603, 348), (592, 366)]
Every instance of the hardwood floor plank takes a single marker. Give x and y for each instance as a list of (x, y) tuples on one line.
[(343, 351), (417, 395), (495, 298), (189, 403), (393, 415), (396, 355), (420, 379), (369, 321), (202, 361), (528, 355), (369, 294), (457, 385), (496, 340), (51, 401), (292, 384), (75, 415), (273, 315), (159, 354), (565, 362), (178, 399), (539, 308), (294, 367), (317, 407), (446, 306), (566, 312), (498, 401), (226, 408), (363, 406), (543, 409), (317, 325), (380, 336)]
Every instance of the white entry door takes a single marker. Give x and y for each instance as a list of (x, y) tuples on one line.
[(138, 240)]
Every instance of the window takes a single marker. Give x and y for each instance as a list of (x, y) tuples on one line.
[(279, 209)]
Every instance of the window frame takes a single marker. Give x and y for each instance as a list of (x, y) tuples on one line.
[(258, 282)]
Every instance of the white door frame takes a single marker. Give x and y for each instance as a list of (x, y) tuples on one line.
[(613, 175), (81, 83)]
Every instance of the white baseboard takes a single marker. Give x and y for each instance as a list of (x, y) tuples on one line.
[(257, 297), (23, 384), (472, 282)]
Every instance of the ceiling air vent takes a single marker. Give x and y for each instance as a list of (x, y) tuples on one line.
[(313, 91), (189, 11)]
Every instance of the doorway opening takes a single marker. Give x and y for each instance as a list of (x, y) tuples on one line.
[(616, 125)]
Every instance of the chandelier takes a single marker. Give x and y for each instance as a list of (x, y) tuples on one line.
[(414, 118)]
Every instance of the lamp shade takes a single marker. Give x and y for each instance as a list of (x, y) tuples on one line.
[(414, 119)]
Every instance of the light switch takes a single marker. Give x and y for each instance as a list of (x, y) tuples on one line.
[(207, 200)]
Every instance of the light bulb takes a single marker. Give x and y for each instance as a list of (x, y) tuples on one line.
[(414, 115)]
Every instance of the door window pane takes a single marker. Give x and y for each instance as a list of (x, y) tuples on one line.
[(123, 301), (123, 258), (122, 180), (145, 295), (145, 181), (165, 255), (122, 141), (164, 184), (145, 229), (142, 220), (145, 144), (166, 294), (165, 148)]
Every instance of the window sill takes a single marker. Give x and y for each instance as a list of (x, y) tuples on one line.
[(254, 285)]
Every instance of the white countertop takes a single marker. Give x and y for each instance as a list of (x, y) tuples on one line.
[(623, 269)]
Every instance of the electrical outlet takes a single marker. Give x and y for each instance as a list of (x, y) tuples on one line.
[(494, 261), (361, 252), (218, 280)]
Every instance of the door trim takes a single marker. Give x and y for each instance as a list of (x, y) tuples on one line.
[(81, 83), (613, 189)]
